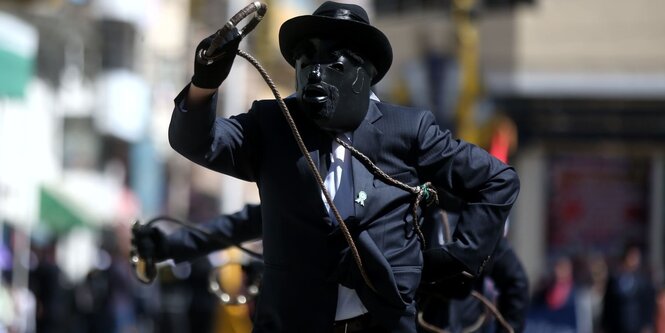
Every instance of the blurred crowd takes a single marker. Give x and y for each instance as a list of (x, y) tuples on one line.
[(589, 294), (594, 293)]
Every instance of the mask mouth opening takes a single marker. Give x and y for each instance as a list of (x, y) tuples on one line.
[(315, 94)]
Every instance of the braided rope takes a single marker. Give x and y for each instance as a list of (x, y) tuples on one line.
[(425, 191), (446, 226), (497, 314), (426, 325), (473, 327), (312, 166)]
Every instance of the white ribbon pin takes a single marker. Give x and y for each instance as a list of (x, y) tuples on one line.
[(362, 196)]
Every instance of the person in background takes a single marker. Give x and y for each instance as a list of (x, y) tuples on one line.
[(558, 304), (629, 302)]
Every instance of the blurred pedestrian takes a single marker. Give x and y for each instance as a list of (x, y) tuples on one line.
[(596, 283), (629, 301), (106, 299), (46, 281), (558, 304)]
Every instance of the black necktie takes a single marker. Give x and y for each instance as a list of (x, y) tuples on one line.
[(324, 157)]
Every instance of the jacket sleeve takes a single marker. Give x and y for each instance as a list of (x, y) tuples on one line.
[(509, 277), (221, 232), (226, 145), (488, 187)]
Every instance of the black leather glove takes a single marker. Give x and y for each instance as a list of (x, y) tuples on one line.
[(211, 75), (150, 243), (445, 276)]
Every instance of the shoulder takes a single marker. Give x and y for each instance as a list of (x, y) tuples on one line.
[(408, 118), (394, 110), (269, 109), (270, 104)]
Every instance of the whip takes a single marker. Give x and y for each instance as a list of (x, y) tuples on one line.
[(422, 192)]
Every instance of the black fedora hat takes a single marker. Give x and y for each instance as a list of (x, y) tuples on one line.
[(345, 22)]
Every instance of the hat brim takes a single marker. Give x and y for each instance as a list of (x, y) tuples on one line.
[(362, 38)]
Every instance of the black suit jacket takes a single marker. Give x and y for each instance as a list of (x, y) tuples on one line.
[(304, 254)]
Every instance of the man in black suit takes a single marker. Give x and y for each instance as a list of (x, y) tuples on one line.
[(317, 277), (629, 301)]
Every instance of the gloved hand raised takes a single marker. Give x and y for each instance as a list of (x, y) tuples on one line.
[(210, 75)]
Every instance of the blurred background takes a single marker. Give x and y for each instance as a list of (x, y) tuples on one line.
[(569, 92)]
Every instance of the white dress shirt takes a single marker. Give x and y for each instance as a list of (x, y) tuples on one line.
[(339, 182)]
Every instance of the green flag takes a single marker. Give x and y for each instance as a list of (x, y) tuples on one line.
[(58, 213), (18, 48)]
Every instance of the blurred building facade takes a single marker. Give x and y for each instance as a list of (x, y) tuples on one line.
[(581, 85)]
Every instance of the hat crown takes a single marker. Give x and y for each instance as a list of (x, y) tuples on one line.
[(342, 11), (347, 23)]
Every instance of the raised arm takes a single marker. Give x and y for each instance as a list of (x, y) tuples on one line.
[(511, 280)]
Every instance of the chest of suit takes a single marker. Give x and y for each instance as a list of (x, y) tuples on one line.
[(295, 194)]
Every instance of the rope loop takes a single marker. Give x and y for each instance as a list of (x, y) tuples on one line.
[(429, 193)]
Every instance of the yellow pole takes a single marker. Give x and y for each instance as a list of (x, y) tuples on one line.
[(232, 318), (466, 33)]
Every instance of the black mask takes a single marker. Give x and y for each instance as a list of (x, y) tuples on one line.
[(332, 86)]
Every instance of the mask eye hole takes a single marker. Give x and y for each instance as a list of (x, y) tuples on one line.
[(338, 66)]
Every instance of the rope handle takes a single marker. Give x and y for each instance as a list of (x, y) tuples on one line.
[(257, 8)]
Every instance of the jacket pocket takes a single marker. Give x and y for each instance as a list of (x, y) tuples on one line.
[(407, 279)]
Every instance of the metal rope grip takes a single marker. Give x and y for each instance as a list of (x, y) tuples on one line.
[(257, 8), (144, 268)]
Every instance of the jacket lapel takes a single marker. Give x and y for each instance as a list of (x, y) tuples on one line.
[(366, 139), (317, 144)]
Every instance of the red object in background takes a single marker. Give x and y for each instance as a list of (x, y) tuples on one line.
[(596, 202), (500, 144), (504, 138)]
